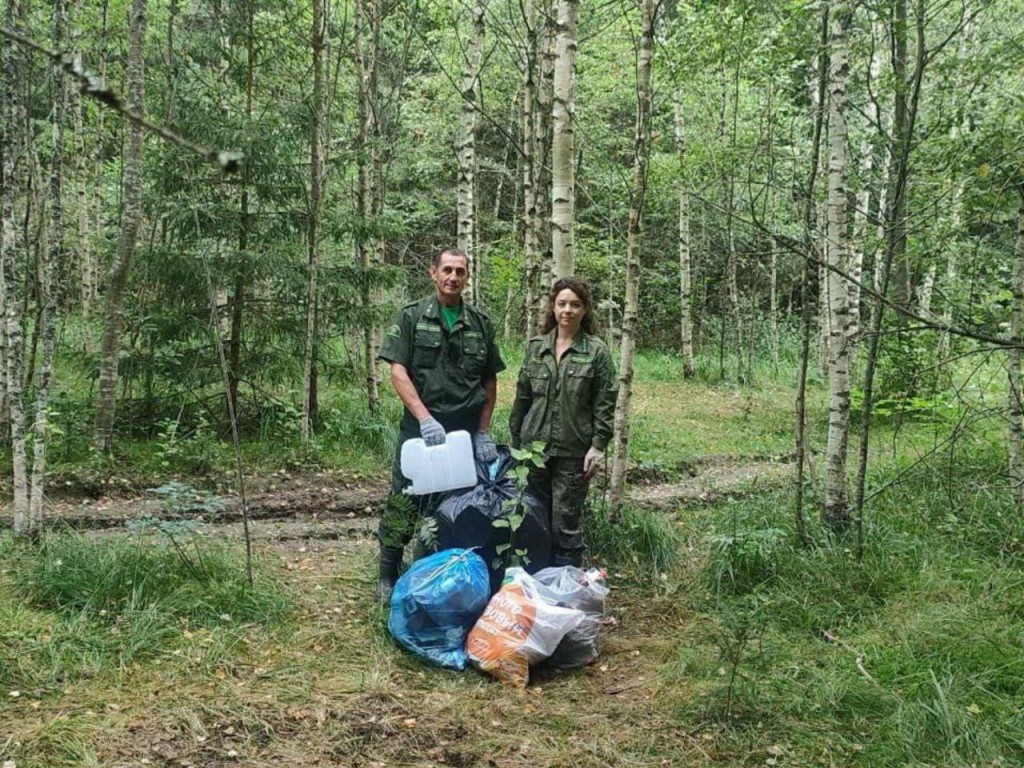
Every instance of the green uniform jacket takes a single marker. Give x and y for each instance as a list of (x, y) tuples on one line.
[(447, 368), (570, 407)]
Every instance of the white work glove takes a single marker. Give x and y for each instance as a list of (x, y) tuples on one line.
[(484, 448), (591, 462), (431, 431)]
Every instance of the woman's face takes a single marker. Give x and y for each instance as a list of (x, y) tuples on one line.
[(569, 311)]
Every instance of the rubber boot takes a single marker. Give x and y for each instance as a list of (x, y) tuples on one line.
[(569, 558), (390, 565)]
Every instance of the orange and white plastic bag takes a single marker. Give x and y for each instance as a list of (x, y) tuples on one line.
[(522, 625)]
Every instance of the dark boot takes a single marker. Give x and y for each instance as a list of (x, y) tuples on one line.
[(390, 565), (569, 558)]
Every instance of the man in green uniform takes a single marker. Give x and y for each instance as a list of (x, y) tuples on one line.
[(444, 367)]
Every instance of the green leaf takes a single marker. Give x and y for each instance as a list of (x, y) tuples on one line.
[(502, 548), (501, 522)]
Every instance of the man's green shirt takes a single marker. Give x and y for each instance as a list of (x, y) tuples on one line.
[(447, 366)]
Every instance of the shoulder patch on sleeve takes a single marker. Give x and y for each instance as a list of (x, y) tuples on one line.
[(395, 331)]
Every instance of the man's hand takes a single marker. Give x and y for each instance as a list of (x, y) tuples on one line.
[(484, 448), (431, 431), (591, 462)]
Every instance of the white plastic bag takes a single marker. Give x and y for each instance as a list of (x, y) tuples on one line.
[(522, 625), (585, 591)]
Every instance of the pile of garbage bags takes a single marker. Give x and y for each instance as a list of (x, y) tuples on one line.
[(443, 611), (462, 606)]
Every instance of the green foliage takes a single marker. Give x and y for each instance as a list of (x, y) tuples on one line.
[(912, 656), (508, 554), (105, 604), (640, 540)]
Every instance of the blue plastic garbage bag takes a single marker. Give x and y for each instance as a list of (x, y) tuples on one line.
[(435, 604)]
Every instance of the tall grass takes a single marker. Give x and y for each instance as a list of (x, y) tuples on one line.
[(913, 656), (102, 605)]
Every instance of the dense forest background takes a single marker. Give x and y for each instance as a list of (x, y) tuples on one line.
[(746, 184)]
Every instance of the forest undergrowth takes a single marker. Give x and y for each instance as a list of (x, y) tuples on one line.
[(731, 642)]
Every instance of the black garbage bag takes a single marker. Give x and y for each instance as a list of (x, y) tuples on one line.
[(466, 519)]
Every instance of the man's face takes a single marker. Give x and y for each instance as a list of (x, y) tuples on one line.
[(450, 277)]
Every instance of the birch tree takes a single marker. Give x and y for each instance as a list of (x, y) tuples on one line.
[(48, 283), (641, 152), (837, 514), (370, 196), (563, 152), (685, 276), (1016, 394), (317, 138), (466, 154), (528, 116), (14, 185), (135, 80)]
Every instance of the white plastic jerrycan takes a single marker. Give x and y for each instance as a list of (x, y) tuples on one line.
[(437, 468)]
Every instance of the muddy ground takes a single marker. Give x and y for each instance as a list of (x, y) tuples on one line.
[(330, 505)]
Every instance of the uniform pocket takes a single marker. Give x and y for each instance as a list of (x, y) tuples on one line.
[(426, 349), (474, 354)]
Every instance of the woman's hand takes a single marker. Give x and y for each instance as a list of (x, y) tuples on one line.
[(591, 462)]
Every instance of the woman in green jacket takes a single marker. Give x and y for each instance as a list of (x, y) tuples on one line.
[(565, 398)]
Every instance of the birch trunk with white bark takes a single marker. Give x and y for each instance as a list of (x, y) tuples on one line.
[(317, 140), (110, 349), (630, 318), (837, 496), (685, 273), (563, 152), (466, 186)]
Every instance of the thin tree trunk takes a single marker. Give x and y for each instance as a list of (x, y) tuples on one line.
[(1016, 397), (49, 286), (135, 76), (894, 227), (630, 324), (542, 159), (369, 194), (685, 276), (14, 151), (531, 249), (563, 153), (837, 484), (951, 278), (806, 293), (466, 154), (318, 107), (92, 269), (238, 298)]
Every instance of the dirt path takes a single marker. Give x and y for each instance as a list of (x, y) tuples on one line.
[(328, 506)]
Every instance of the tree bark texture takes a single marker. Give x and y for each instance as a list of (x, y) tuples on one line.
[(49, 286), (239, 295), (317, 137), (15, 183), (685, 274), (563, 152), (1016, 398), (542, 157), (370, 195), (837, 497), (531, 233), (135, 76), (630, 320), (466, 153)]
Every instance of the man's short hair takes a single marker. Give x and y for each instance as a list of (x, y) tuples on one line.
[(435, 258)]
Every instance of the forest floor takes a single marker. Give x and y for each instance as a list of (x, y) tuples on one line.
[(331, 689)]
